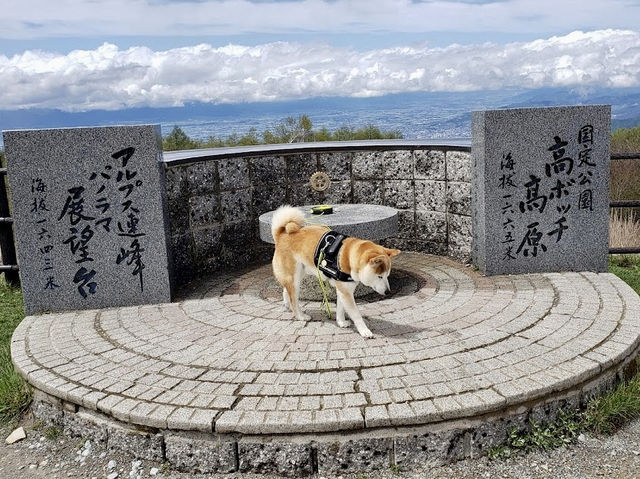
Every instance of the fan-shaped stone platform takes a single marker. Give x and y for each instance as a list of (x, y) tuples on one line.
[(224, 379)]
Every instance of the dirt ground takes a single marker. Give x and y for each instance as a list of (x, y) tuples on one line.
[(39, 457)]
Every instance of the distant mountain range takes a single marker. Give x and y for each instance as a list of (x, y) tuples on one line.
[(418, 115)]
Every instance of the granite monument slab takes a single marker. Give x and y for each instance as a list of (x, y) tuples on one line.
[(89, 216), (540, 189)]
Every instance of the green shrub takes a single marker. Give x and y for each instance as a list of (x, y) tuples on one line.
[(289, 130), (179, 140)]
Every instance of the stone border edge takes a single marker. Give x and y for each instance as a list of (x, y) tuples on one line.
[(296, 455)]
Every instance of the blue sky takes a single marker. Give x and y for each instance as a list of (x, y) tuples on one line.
[(79, 55)]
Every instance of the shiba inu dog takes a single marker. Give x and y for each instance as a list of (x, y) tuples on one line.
[(344, 261)]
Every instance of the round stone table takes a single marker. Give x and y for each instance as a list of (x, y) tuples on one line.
[(372, 222)]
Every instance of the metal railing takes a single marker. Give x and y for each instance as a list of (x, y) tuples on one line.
[(9, 265), (625, 204)]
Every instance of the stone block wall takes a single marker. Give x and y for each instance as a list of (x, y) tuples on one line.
[(215, 198)]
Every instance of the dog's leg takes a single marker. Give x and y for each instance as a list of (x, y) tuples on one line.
[(345, 296), (292, 292), (340, 313), (295, 299), (283, 266), (340, 318)]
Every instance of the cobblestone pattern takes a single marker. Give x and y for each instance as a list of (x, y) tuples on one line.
[(227, 359), (214, 204)]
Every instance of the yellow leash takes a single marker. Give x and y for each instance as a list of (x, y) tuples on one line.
[(323, 287)]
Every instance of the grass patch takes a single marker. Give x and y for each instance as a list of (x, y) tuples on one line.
[(603, 415), (15, 395), (11, 310), (564, 430), (627, 268), (52, 433)]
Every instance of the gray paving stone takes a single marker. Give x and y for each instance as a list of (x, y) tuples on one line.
[(332, 402), (139, 414), (228, 421), (376, 416), (447, 406), (355, 400), (180, 418), (122, 410), (159, 416), (350, 418), (107, 404), (203, 420), (401, 413)]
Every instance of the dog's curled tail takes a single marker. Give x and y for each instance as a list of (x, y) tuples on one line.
[(286, 218)]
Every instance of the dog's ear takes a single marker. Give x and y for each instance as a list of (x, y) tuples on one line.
[(379, 264), (377, 260), (392, 252)]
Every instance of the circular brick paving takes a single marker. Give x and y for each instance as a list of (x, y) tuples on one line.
[(225, 358)]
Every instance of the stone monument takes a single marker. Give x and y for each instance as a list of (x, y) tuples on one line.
[(540, 189), (89, 216)]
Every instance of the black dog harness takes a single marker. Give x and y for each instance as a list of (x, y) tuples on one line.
[(326, 256)]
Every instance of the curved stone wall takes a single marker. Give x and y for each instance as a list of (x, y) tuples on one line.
[(215, 196)]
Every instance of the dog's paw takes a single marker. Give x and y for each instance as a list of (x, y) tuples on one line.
[(303, 317), (343, 323), (365, 333)]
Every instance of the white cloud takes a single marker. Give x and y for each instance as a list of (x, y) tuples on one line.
[(110, 78)]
